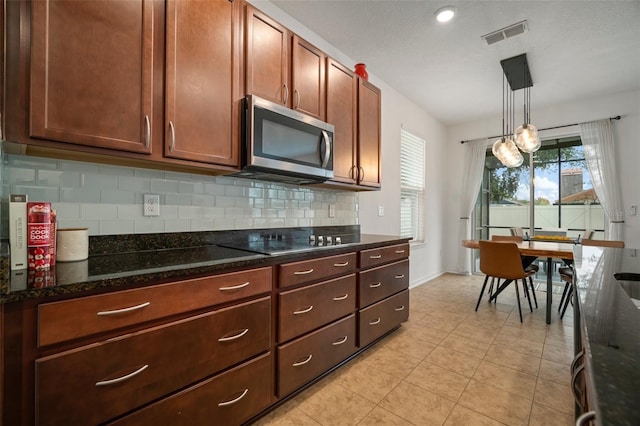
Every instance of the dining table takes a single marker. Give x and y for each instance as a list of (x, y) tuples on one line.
[(548, 249)]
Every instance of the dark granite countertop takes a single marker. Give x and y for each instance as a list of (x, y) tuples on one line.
[(145, 259), (610, 324)]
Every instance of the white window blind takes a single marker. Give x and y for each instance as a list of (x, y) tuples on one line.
[(412, 152)]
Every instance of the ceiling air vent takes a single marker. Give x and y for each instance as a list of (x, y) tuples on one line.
[(505, 33)]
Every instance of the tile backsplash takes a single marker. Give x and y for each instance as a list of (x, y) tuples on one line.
[(108, 199)]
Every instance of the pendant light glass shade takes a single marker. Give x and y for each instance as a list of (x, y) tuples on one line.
[(505, 150), (526, 137)]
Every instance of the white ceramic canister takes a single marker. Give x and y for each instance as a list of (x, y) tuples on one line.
[(72, 244)]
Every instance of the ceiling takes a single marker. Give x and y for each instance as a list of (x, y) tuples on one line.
[(576, 49)]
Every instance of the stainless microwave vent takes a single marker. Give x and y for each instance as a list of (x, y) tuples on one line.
[(505, 33)]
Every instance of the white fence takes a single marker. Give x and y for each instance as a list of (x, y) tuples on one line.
[(587, 216)]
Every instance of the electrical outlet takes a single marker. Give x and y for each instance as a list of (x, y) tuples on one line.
[(151, 205), (332, 210)]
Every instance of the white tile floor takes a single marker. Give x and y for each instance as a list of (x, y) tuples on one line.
[(449, 365)]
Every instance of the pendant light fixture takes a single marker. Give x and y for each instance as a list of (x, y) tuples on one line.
[(525, 137), (504, 149)]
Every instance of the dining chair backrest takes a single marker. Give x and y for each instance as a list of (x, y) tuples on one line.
[(510, 238), (516, 231), (603, 243), (501, 260)]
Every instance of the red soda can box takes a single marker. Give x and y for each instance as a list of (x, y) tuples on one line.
[(38, 235)]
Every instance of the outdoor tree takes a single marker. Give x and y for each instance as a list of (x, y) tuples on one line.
[(504, 181)]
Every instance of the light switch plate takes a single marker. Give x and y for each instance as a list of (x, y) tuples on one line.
[(332, 210), (151, 205), (380, 210)]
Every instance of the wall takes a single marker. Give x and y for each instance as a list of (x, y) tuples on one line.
[(108, 199), (626, 133)]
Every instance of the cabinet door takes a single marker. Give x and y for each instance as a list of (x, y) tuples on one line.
[(341, 112), (201, 96), (369, 116), (308, 81), (267, 57), (91, 73)]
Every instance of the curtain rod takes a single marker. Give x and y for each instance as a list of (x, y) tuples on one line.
[(617, 117)]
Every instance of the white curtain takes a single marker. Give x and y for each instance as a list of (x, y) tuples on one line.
[(599, 154), (473, 167)]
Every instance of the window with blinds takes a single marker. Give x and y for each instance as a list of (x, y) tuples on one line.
[(412, 152)]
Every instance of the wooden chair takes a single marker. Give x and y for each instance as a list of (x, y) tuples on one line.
[(526, 261), (502, 260), (566, 273)]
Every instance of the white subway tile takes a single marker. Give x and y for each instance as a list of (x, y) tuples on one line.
[(53, 178), (105, 169), (92, 225), (202, 224), (67, 210), (134, 183), (177, 225), (166, 186), (117, 227), (112, 196), (98, 211), (129, 211), (148, 225), (98, 181)]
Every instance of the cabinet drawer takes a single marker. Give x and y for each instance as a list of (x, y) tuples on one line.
[(378, 319), (379, 256), (308, 357), (376, 284), (71, 319), (229, 398), (316, 269), (97, 382), (310, 307)]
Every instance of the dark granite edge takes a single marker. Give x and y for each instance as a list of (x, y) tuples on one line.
[(142, 277)]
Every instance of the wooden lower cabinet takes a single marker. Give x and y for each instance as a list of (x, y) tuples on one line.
[(98, 382), (306, 358), (312, 306), (382, 317), (234, 396), (378, 283)]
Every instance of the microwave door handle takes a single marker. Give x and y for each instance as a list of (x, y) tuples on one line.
[(327, 149)]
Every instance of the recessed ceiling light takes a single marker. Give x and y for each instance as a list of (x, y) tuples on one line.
[(445, 14)]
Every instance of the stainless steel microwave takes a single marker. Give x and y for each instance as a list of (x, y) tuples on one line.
[(285, 145)]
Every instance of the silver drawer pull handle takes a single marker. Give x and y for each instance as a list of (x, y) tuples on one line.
[(341, 297), (340, 341), (124, 310), (399, 251), (340, 265), (233, 401), (400, 308), (583, 419), (375, 321), (147, 133), (375, 285), (377, 256), (303, 311), (308, 271), (234, 337), (399, 276), (234, 287), (297, 364), (123, 378)]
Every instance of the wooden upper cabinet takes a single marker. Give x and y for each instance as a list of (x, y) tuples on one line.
[(369, 116), (342, 107), (267, 57), (282, 67), (308, 79), (202, 96), (92, 73)]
